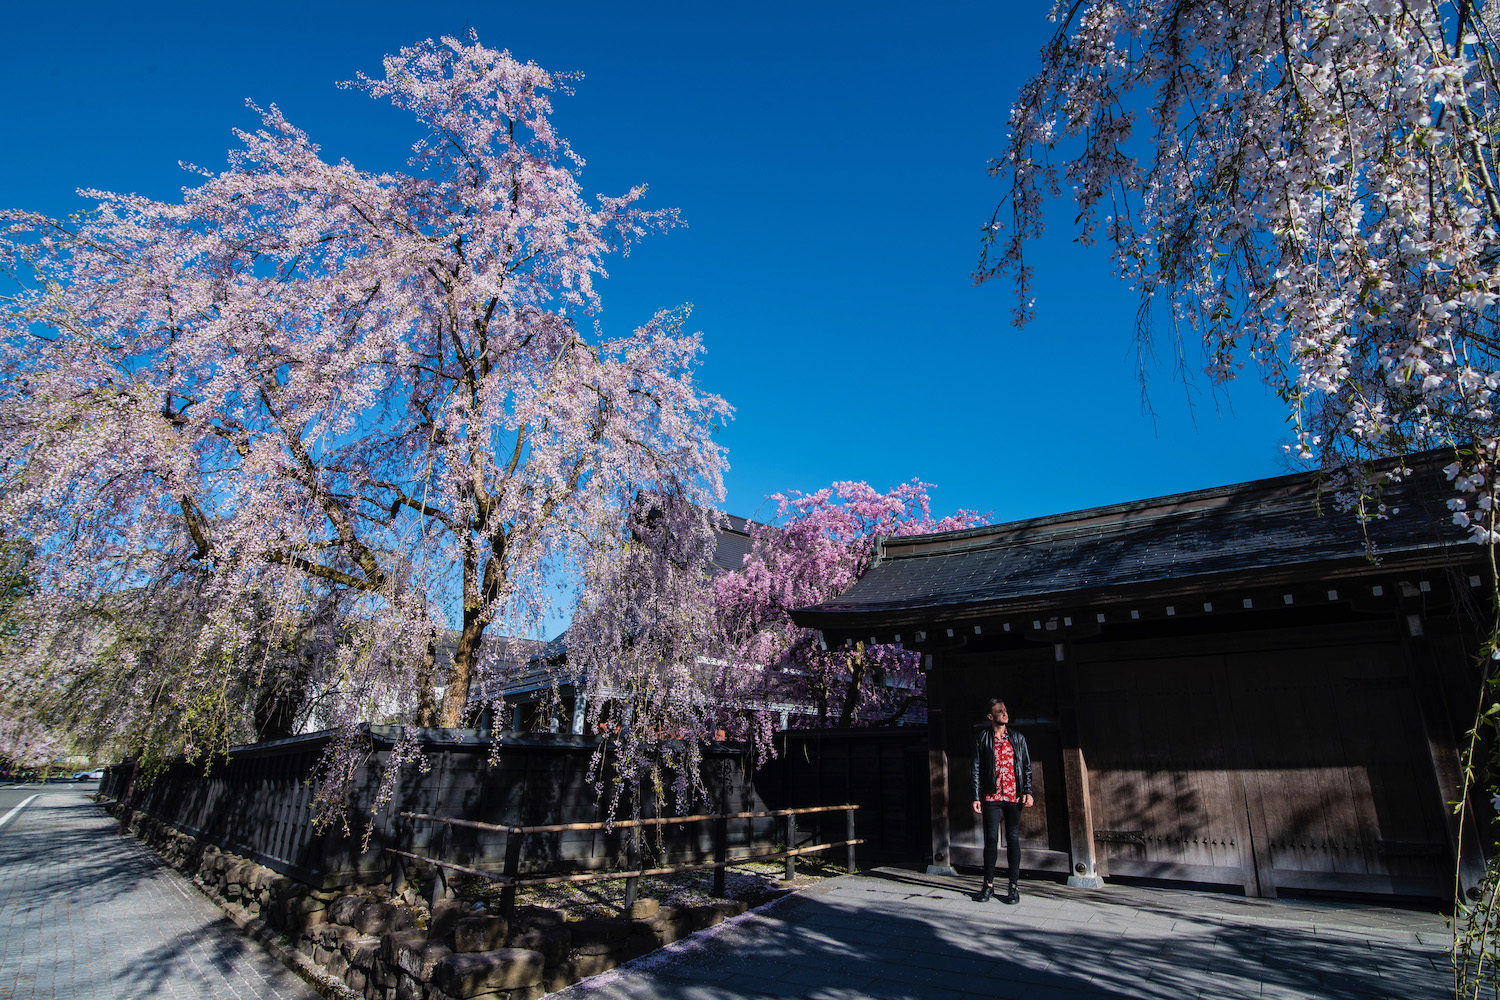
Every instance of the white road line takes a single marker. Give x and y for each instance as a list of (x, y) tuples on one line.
[(5, 820)]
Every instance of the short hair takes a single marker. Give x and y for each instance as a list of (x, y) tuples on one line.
[(993, 702)]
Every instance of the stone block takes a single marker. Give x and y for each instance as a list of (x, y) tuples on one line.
[(391, 943), (413, 953), (305, 913), (592, 965), (445, 914), (696, 918), (643, 909), (474, 973), (408, 988), (383, 975), (520, 993), (598, 935), (336, 964), (559, 976), (355, 979), (472, 934), (643, 938), (381, 918), (362, 951), (553, 942), (344, 909), (333, 935), (282, 887)]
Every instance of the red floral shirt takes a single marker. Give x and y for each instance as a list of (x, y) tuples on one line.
[(1005, 773)]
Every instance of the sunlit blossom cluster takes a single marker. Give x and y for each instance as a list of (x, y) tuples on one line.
[(818, 545), (1308, 186), (309, 393)]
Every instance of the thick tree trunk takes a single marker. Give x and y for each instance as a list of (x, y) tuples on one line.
[(427, 714), (856, 680), (461, 676)]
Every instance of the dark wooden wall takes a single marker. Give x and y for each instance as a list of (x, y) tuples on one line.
[(1305, 758), (882, 770), (258, 805)]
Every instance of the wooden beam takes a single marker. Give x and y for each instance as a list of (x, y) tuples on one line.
[(1465, 849), (937, 781), (1083, 866)]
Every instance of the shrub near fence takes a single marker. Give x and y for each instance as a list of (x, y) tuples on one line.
[(258, 804)]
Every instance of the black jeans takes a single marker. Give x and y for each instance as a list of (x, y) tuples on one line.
[(992, 811)]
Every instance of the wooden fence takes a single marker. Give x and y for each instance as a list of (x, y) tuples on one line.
[(511, 879), (257, 804)]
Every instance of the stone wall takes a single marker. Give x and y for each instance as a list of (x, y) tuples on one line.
[(386, 948)]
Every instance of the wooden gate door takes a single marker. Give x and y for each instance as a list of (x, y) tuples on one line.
[(1167, 796), (1273, 764), (1339, 786)]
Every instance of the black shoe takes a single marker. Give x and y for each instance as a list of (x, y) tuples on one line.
[(985, 894), (1014, 896)]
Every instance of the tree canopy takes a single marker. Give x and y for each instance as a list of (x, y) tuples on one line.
[(306, 384), (1310, 187)]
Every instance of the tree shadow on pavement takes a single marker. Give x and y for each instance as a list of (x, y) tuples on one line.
[(891, 946), (69, 881)]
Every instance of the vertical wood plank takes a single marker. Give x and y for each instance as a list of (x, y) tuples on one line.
[(937, 784)]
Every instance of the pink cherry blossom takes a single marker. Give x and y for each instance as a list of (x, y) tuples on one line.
[(305, 384)]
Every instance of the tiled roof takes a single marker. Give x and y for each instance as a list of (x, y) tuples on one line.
[(1250, 528)]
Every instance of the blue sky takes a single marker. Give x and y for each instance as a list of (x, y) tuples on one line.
[(829, 163)]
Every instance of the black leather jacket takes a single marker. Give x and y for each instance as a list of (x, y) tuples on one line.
[(984, 762)]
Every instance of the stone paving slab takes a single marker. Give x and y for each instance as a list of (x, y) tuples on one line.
[(892, 935), (86, 914)]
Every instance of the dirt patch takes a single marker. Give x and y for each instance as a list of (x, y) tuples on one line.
[(752, 883)]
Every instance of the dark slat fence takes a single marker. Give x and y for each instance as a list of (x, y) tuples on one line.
[(258, 803)]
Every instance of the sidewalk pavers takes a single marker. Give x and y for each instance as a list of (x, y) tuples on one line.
[(891, 934), (88, 915)]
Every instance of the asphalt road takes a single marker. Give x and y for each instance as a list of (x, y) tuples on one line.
[(14, 795)]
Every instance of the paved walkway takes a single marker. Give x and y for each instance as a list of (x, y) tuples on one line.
[(88, 915), (893, 935)]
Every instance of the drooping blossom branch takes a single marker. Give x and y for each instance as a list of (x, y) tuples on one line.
[(307, 384)]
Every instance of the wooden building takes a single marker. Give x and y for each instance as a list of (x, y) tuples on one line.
[(1219, 687)]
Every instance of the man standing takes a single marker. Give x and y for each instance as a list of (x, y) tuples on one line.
[(1002, 788)]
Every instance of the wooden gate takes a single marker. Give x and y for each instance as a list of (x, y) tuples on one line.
[(1271, 764)]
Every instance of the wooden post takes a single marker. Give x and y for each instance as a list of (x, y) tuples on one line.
[(512, 872), (1083, 867), (937, 781), (791, 843), (633, 859), (1442, 752), (398, 875), (721, 853), (849, 835), (440, 888)]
